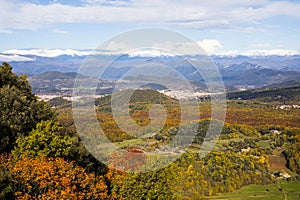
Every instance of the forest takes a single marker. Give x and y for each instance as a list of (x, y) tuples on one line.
[(42, 156)]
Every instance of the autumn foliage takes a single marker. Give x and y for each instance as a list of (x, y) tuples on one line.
[(128, 160), (53, 178), (42, 157)]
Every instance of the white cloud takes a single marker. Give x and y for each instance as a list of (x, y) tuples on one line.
[(51, 53), (168, 48), (271, 52), (210, 46), (150, 53), (47, 52), (17, 58), (190, 13), (117, 46), (180, 48), (206, 46), (108, 2), (6, 31), (60, 31), (260, 45)]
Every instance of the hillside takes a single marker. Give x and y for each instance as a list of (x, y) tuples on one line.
[(51, 75), (257, 77), (56, 82), (286, 93)]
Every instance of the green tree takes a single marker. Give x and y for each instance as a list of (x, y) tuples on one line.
[(20, 108), (45, 140), (292, 154), (151, 185)]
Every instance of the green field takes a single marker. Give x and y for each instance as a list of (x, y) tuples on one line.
[(288, 191)]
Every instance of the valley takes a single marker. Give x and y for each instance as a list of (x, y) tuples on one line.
[(255, 154)]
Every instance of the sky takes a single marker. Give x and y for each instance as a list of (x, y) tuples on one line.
[(219, 26)]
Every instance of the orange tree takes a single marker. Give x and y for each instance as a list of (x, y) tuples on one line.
[(53, 178)]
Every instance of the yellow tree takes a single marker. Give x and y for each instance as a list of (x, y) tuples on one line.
[(55, 178)]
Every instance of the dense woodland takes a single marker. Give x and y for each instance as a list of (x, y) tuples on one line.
[(42, 156), (284, 93)]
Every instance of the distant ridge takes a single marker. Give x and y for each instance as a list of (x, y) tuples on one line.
[(283, 94), (241, 72), (51, 75)]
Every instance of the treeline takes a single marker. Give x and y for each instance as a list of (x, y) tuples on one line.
[(227, 131), (193, 178)]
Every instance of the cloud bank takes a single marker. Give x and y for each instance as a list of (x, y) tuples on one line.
[(190, 13), (210, 47), (14, 57)]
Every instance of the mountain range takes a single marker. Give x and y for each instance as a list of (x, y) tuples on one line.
[(236, 71)]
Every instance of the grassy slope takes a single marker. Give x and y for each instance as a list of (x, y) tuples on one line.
[(290, 191)]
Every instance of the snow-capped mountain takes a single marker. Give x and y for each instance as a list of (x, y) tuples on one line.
[(258, 70)]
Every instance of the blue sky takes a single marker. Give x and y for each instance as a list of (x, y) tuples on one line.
[(235, 26)]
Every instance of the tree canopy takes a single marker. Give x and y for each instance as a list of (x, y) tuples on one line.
[(45, 140), (20, 109)]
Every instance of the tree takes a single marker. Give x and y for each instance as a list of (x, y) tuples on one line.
[(45, 140), (54, 178), (20, 108), (78, 152), (7, 77), (292, 154), (150, 185), (6, 191)]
